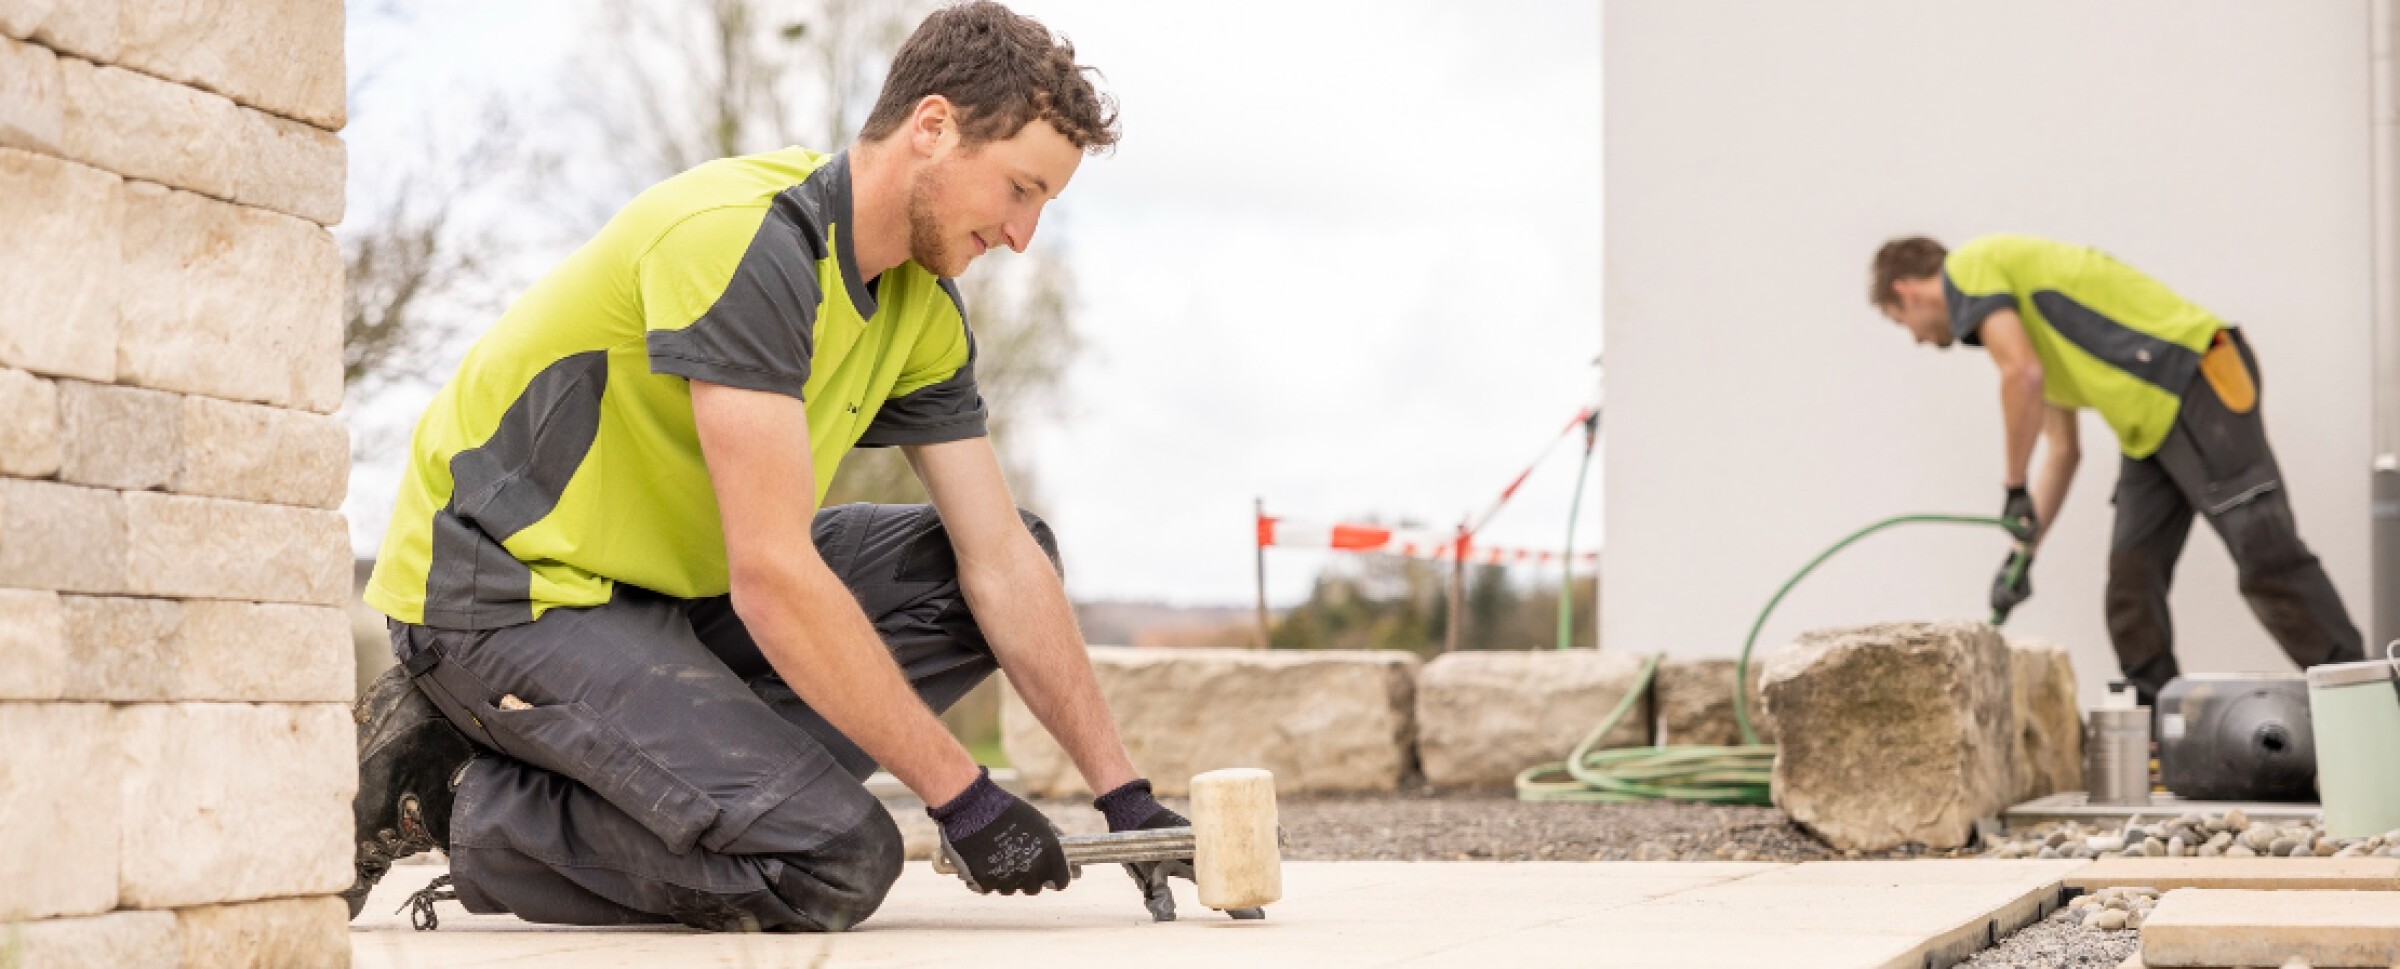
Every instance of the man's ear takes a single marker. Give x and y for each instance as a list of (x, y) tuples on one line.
[(933, 125)]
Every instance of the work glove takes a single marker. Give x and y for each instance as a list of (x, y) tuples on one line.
[(999, 843), (2017, 515), (2013, 584), (1132, 807)]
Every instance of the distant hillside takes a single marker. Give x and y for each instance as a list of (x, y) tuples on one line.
[(1134, 623)]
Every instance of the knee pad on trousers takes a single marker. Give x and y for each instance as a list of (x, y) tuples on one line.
[(842, 883), (1043, 537)]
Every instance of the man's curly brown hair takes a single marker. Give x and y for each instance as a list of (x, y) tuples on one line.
[(1002, 71), (1915, 257)]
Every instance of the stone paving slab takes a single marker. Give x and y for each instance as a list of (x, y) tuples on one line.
[(1654, 915), (2168, 874), (2198, 927), (2073, 806)]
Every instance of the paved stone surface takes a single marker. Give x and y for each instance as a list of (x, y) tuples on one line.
[(1650, 915), (2200, 927), (2362, 874)]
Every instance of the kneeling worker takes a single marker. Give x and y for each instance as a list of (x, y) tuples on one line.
[(2069, 327), (642, 675)]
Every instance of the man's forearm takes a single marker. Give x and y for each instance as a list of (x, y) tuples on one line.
[(2021, 410), (2059, 461), (1023, 611), (813, 634)]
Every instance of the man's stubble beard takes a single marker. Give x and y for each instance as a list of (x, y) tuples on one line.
[(926, 244)]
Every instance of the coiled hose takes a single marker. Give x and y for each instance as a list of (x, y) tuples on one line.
[(1738, 774)]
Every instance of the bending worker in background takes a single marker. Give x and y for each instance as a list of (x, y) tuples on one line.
[(2070, 327), (642, 675)]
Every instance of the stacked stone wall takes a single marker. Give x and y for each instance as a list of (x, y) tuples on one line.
[(176, 754)]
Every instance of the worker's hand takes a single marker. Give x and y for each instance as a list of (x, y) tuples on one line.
[(2013, 585), (2018, 517), (999, 843), (1131, 807)]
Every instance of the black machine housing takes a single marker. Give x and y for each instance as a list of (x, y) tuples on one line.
[(2237, 737)]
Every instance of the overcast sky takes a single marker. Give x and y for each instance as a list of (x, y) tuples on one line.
[(1347, 258)]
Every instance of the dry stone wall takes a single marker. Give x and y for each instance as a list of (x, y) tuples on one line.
[(175, 665)]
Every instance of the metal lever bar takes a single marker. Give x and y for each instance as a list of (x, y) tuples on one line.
[(1160, 844)]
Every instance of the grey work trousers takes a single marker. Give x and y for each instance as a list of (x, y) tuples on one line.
[(2216, 463), (661, 771)]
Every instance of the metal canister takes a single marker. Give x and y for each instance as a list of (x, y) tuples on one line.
[(2355, 709), (2116, 757)]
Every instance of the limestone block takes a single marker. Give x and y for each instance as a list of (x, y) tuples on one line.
[(2048, 755), (1322, 720), (211, 548), (236, 302), (1695, 703), (85, 28), (117, 648), (117, 940), (261, 652), (281, 56), (290, 167), (1894, 733), (134, 650), (266, 935), (55, 536), (63, 226), (118, 437), (32, 108), (28, 425), (1482, 716), (2233, 927), (229, 802), (33, 645), (259, 453), (59, 820), (141, 127)]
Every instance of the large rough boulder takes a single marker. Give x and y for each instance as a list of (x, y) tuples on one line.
[(1695, 703), (2048, 753), (1893, 734), (1322, 720), (1483, 716)]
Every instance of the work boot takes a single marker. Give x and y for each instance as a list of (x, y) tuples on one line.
[(409, 760)]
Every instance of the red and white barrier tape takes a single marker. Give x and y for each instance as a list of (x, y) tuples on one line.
[(1419, 543)]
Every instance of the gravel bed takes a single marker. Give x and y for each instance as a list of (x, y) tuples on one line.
[(2229, 835), (2061, 941)]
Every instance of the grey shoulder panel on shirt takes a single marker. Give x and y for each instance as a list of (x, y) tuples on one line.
[(951, 410), (1967, 313), (760, 333), (2165, 365), (503, 486)]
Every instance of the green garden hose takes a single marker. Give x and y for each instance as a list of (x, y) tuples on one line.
[(1739, 774)]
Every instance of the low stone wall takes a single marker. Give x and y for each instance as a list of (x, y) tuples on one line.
[(1483, 716), (1695, 703), (2048, 754), (175, 740), (1893, 734), (1322, 720)]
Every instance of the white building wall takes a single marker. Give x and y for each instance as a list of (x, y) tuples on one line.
[(1757, 153)]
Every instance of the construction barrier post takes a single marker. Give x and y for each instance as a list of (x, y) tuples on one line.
[(1259, 511)]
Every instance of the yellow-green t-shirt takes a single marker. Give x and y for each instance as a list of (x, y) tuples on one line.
[(562, 459), (2109, 337)]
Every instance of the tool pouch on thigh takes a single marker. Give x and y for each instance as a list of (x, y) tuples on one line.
[(2222, 367)]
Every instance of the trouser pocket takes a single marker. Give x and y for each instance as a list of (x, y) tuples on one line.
[(571, 739)]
